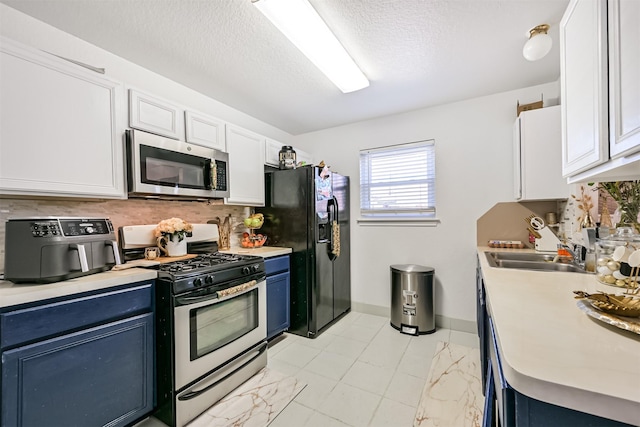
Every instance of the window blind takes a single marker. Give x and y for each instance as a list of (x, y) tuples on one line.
[(398, 180)]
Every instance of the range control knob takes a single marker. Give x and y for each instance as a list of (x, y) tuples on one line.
[(255, 268), (197, 282), (208, 280), (245, 270), (89, 230)]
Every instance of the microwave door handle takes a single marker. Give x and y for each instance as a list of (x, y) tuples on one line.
[(82, 256), (114, 248), (213, 170)]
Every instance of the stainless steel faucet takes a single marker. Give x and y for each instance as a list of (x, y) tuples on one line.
[(575, 252)]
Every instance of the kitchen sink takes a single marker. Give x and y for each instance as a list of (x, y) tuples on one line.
[(530, 261)]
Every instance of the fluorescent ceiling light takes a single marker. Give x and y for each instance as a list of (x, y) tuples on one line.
[(302, 25)]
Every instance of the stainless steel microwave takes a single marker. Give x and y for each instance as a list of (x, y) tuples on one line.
[(159, 167)]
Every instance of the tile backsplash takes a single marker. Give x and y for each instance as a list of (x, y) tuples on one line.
[(121, 212)]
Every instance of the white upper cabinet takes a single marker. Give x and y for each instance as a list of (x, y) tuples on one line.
[(537, 148), (624, 77), (600, 78), (303, 158), (246, 166), (583, 65), (272, 152), (205, 130), (156, 115), (61, 127)]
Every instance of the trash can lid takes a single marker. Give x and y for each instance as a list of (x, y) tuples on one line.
[(412, 268)]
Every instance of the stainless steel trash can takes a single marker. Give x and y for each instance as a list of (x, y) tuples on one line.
[(412, 299)]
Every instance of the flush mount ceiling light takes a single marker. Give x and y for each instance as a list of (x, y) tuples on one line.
[(539, 43), (302, 25)]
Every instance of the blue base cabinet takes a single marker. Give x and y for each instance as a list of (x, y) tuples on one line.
[(278, 295), (93, 366), (505, 406)]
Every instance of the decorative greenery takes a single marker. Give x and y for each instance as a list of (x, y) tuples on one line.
[(627, 196), (173, 227), (585, 205)]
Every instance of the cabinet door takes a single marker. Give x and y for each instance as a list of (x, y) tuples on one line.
[(61, 127), (272, 152), (277, 304), (624, 77), (155, 115), (93, 377), (538, 149), (304, 158), (583, 78), (246, 167), (205, 130)]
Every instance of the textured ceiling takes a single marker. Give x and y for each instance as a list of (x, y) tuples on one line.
[(416, 53)]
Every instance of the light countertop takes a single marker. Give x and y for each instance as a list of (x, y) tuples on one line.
[(263, 251), (14, 294), (552, 351)]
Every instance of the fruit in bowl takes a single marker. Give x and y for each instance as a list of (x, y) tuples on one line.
[(254, 221), (252, 241)]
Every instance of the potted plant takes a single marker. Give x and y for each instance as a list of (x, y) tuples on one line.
[(627, 196)]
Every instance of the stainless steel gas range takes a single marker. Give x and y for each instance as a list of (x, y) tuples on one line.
[(210, 331)]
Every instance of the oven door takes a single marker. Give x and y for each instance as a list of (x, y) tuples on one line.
[(162, 166), (213, 331)]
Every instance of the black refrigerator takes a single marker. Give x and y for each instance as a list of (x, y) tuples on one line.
[(307, 209)]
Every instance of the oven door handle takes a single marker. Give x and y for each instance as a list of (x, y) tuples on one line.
[(222, 295), (232, 367)]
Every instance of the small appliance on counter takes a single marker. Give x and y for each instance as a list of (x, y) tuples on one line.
[(49, 249)]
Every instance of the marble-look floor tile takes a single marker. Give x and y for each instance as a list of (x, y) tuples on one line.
[(405, 388), (330, 365), (465, 338), (383, 355), (351, 405), (365, 376), (294, 414), (297, 354), (392, 414), (452, 396), (254, 404), (317, 390), (321, 420), (346, 347)]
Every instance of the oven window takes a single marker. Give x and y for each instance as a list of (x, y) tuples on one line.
[(169, 168), (218, 324)]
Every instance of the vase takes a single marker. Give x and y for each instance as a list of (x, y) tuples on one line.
[(172, 245)]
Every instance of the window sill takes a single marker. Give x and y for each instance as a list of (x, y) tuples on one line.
[(399, 222)]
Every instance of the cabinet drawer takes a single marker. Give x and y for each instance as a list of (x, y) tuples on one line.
[(276, 264), (48, 320)]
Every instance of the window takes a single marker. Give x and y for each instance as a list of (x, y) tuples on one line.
[(398, 182)]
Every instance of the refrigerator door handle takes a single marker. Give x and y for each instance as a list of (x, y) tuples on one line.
[(332, 208)]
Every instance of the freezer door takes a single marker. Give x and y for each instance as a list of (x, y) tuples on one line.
[(342, 264)]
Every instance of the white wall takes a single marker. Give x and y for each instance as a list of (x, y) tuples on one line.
[(25, 29), (474, 170)]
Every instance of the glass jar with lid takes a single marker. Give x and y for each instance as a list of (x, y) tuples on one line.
[(612, 258), (287, 157)]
